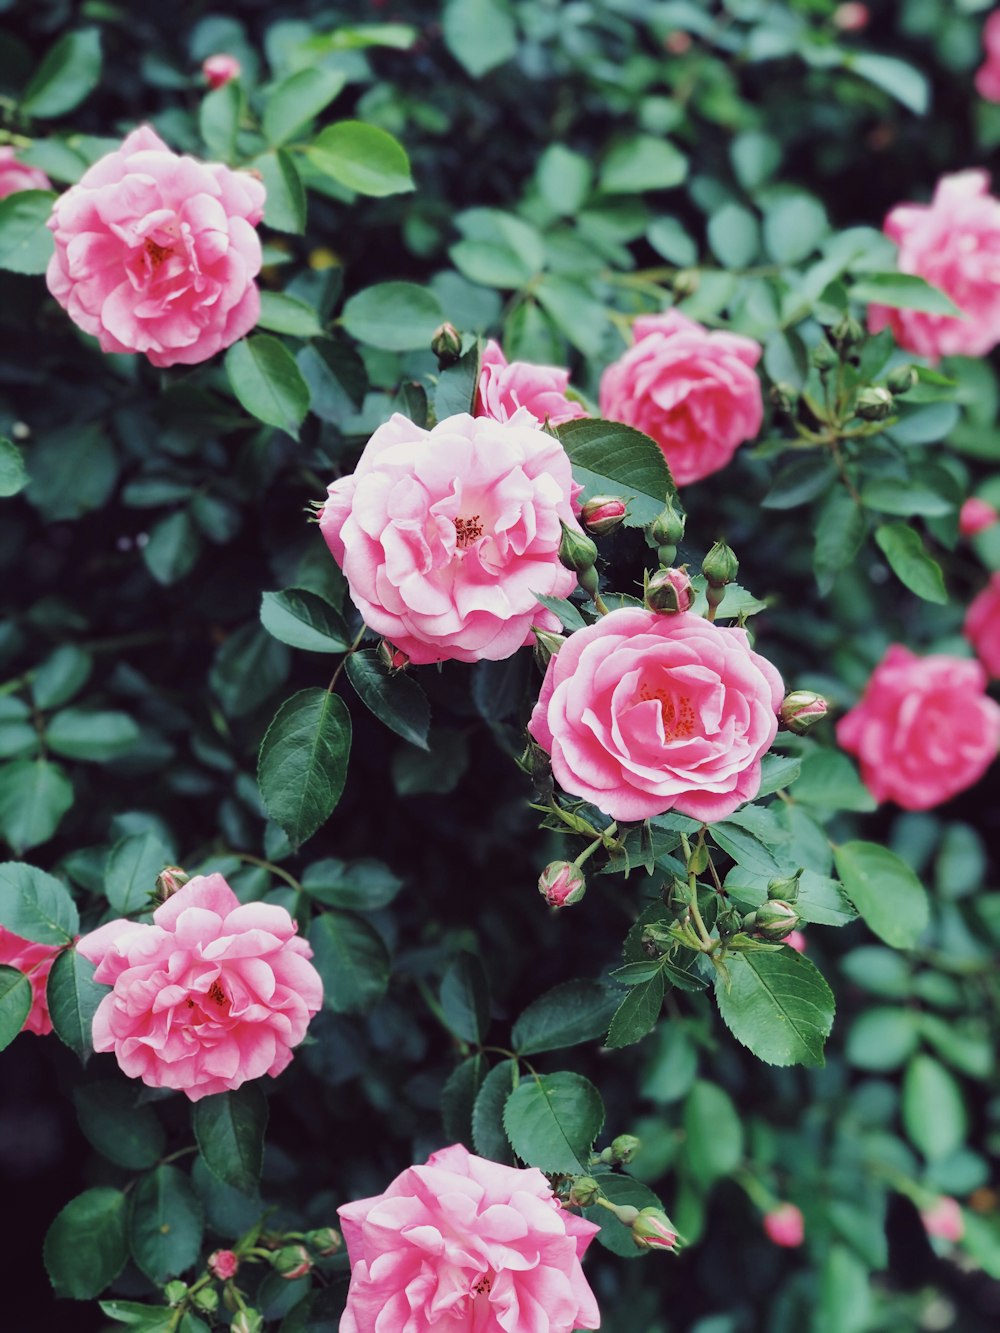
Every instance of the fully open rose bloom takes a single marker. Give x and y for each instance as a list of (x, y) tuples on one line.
[(988, 74), (953, 243), (210, 995), (923, 730), (643, 713), (465, 1245), (445, 536), (35, 960), (695, 392), (982, 626), (505, 386), (157, 253), (16, 176)]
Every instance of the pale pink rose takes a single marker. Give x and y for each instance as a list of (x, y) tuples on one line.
[(694, 392), (221, 69), (35, 961), (923, 730), (210, 995), (954, 244), (445, 536), (465, 1244), (976, 516), (944, 1219), (982, 626), (643, 713), (157, 253), (796, 940), (988, 74), (16, 176), (506, 386), (785, 1225)]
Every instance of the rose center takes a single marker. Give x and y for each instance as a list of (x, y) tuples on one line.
[(467, 531), (157, 253), (676, 710)]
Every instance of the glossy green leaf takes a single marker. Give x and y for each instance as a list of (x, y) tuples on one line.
[(73, 996), (640, 163), (126, 1133), (165, 1224), (567, 1015), (713, 1132), (458, 1097), (298, 100), (352, 959), (34, 796), (480, 34), (15, 1003), (396, 316), (458, 385), (488, 1134), (304, 620), (26, 246), (904, 549), (934, 1111), (638, 1012), (248, 668), (777, 1004), (98, 737), (465, 998), (898, 78), (219, 120), (363, 157), (611, 459), (396, 700), (229, 1128), (302, 766), (173, 548), (285, 205), (264, 377), (360, 886), (69, 73), (552, 1121), (13, 473), (285, 314), (885, 891), (87, 1245), (35, 905), (130, 876)]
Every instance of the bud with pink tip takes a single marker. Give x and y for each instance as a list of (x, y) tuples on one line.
[(223, 1264), (325, 1241), (247, 1321), (291, 1261), (562, 884), (218, 70), (796, 940), (785, 1225), (169, 880), (603, 514), (391, 658), (446, 344), (944, 1219), (547, 645), (801, 710), (653, 1230), (669, 591), (851, 17), (976, 516)]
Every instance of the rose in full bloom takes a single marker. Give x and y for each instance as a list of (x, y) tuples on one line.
[(988, 73), (982, 626), (464, 1243), (944, 1219), (218, 70), (507, 386), (695, 392), (35, 961), (16, 176), (785, 1225), (924, 728), (445, 536), (953, 243), (643, 713), (210, 995), (157, 253), (976, 516)]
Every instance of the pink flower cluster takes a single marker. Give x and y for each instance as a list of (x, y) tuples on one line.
[(35, 961), (505, 387), (16, 176)]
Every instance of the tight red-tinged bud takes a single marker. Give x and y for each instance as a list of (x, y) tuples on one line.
[(247, 1321), (669, 591), (168, 881), (218, 70), (773, 919), (576, 550), (623, 1149), (562, 884), (547, 645), (823, 357), (603, 514), (207, 1299), (667, 528), (801, 710), (583, 1192), (901, 380), (785, 1225), (944, 1219), (653, 1230), (446, 344), (785, 890), (325, 1241), (175, 1292), (852, 16), (291, 1261), (720, 566), (391, 658), (873, 404), (223, 1264)]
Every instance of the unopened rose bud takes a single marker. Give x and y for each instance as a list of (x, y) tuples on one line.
[(223, 1264), (773, 919), (851, 17), (665, 531), (392, 658), (785, 1225), (976, 516), (823, 357), (624, 1148), (175, 1292), (785, 890), (901, 380), (802, 709), (325, 1241), (669, 591), (873, 404), (206, 1298), (796, 940), (677, 43), (944, 1219), (685, 282), (583, 1192), (291, 1261), (603, 514), (576, 550), (562, 884), (547, 645), (720, 566), (653, 1230), (446, 344), (169, 880), (847, 332), (247, 1321), (218, 70)]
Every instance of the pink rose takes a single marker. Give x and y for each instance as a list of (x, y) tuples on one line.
[(210, 995), (696, 393), (976, 516), (923, 730), (157, 253), (16, 176), (35, 961), (644, 713), (988, 74), (796, 940), (851, 17), (505, 387), (464, 1243), (221, 69), (944, 1219), (445, 536), (982, 626), (953, 243), (223, 1264), (785, 1225)]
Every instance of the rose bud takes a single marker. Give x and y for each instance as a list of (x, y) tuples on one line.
[(944, 1219), (668, 591), (576, 550), (653, 1230), (218, 70), (787, 890), (851, 16), (291, 1261), (623, 1149), (847, 332), (583, 1192), (547, 645), (168, 881), (247, 1321), (603, 514), (801, 710), (665, 531), (446, 344), (175, 1292), (785, 1225), (325, 1241), (774, 919), (873, 404), (824, 358), (206, 1299), (720, 566), (901, 380), (562, 884), (391, 658), (796, 940), (223, 1264), (976, 516)]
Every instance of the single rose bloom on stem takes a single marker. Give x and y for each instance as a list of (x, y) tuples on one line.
[(953, 243), (16, 176), (35, 961), (944, 1219), (506, 386), (643, 713), (218, 70), (988, 74), (785, 1225), (694, 392), (464, 1243), (446, 536), (157, 253), (976, 516), (923, 730), (210, 995), (982, 626)]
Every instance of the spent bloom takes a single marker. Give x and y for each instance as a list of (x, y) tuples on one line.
[(16, 176), (157, 252), (982, 626), (785, 1225), (35, 961), (976, 515), (210, 995), (988, 73), (218, 70), (505, 387)]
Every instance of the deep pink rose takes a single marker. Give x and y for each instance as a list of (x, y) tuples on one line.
[(923, 730), (944, 1219), (16, 176), (505, 386), (695, 392), (982, 626), (644, 713), (988, 74), (785, 1225), (157, 253), (35, 961), (953, 243), (466, 1244), (976, 516), (445, 536), (210, 995), (218, 70)]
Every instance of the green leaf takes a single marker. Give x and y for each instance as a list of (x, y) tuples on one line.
[(713, 1132), (744, 847), (794, 225), (13, 474), (87, 1245), (141, 1318), (34, 796), (903, 291), (934, 1112), (885, 891), (575, 313), (777, 1004), (219, 120), (839, 534), (552, 1121), (127, 1134), (298, 100), (575, 1012), (352, 959), (229, 1129), (804, 480), (285, 205), (882, 1038), (488, 1134), (303, 762), (611, 459), (638, 1012), (900, 80), (336, 378), (569, 616), (564, 179), (130, 876), (35, 905), (15, 1003), (624, 1192), (457, 386), (734, 235), (304, 620), (830, 780), (285, 314), (480, 34), (458, 1097), (173, 548), (363, 157), (465, 998), (70, 71), (669, 239), (97, 737), (643, 162), (396, 316), (73, 996), (165, 1224), (264, 377), (26, 244), (249, 667), (904, 549), (361, 886), (397, 700)]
